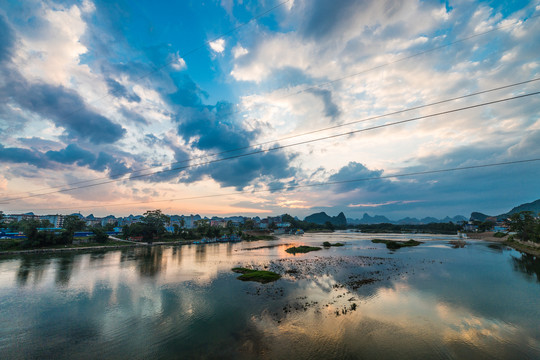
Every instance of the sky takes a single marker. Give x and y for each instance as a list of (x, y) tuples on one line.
[(138, 97)]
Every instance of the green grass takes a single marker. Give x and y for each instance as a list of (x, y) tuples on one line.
[(499, 234), (302, 249), (328, 244), (394, 245), (261, 276)]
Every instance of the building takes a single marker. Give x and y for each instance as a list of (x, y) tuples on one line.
[(56, 220)]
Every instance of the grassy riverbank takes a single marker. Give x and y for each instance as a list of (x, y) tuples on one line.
[(529, 248)]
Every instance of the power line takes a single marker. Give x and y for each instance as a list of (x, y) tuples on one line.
[(292, 94), (289, 145), (289, 187), (297, 135)]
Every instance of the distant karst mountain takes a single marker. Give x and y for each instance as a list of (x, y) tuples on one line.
[(321, 218), (532, 206), (379, 219)]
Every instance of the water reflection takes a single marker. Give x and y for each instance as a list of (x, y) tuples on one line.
[(65, 269), (200, 253), (32, 267), (528, 264), (150, 260)]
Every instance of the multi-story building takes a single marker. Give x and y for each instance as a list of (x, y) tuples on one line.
[(56, 220)]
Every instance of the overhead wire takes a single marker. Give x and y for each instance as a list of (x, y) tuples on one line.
[(117, 175), (296, 93), (288, 145), (297, 186)]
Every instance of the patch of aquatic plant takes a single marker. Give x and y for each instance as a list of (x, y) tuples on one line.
[(329, 244), (499, 234), (302, 249), (261, 276), (393, 245)]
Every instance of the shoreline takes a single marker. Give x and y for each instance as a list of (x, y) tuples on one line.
[(529, 248), (88, 248)]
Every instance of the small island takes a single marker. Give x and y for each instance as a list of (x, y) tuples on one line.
[(261, 276), (394, 245), (329, 244), (302, 249)]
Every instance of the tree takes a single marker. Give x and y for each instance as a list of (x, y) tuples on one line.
[(329, 226), (230, 227), (486, 226), (100, 235), (525, 225), (73, 223), (153, 224), (249, 224)]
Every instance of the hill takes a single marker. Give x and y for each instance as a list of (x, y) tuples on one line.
[(532, 206), (379, 219), (321, 218)]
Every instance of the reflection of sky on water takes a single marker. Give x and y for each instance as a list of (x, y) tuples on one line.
[(185, 302)]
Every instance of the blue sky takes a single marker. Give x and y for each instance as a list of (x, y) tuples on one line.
[(93, 89)]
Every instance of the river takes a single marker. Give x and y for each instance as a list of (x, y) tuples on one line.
[(435, 300)]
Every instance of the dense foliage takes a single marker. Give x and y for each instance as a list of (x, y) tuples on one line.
[(526, 226)]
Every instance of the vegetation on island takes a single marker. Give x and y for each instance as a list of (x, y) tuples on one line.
[(394, 245), (261, 276), (302, 249), (329, 244)]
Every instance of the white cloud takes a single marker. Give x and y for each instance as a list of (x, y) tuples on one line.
[(218, 45), (177, 63), (238, 51)]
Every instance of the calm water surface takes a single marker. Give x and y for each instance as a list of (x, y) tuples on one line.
[(436, 300)]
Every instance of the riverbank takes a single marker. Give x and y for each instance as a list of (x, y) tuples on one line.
[(113, 245), (526, 247)]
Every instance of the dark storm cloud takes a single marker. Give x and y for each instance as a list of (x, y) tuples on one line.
[(72, 154), (325, 18), (65, 108), (20, 155), (353, 171), (240, 172), (118, 90)]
